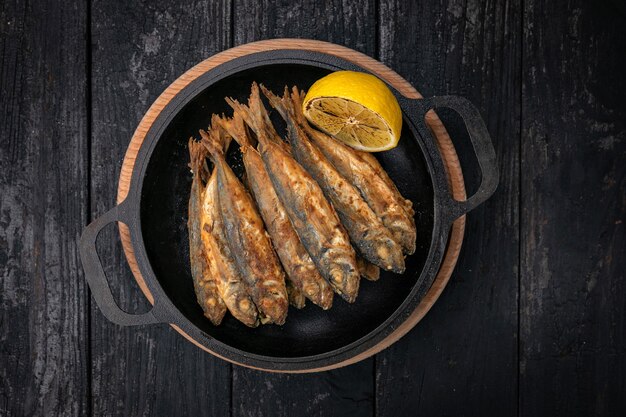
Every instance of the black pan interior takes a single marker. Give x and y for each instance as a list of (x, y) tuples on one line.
[(309, 331)]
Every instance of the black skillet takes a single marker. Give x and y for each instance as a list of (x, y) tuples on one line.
[(155, 212)]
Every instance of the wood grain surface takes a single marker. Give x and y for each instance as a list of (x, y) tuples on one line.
[(44, 339), (573, 263), (542, 269)]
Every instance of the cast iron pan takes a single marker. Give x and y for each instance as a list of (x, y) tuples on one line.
[(155, 212)]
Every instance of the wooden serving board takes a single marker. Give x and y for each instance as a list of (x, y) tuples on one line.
[(448, 152)]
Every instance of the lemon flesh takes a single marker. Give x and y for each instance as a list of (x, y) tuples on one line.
[(356, 108)]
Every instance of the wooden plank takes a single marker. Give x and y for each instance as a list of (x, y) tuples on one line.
[(573, 333), (462, 358), (43, 196), (138, 50), (349, 23), (350, 390), (347, 391)]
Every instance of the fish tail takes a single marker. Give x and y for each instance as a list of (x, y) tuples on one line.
[(213, 143), (284, 106), (263, 120), (197, 155), (252, 119), (277, 102), (297, 97), (254, 94), (244, 112), (237, 129), (255, 103), (224, 136)]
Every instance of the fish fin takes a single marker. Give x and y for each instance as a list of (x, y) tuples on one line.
[(197, 156), (256, 104), (243, 110), (286, 105), (215, 121), (251, 119), (255, 116), (276, 102), (284, 108), (296, 106), (224, 136), (237, 129), (212, 141)]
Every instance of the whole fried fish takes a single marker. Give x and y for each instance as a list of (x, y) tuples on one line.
[(248, 241), (313, 218), (204, 281), (366, 174), (230, 284), (367, 232), (300, 269)]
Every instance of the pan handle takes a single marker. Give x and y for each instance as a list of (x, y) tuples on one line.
[(97, 280), (481, 142)]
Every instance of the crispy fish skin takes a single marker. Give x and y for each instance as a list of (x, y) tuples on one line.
[(203, 275), (372, 239), (313, 218), (368, 270), (249, 243), (229, 282), (298, 265), (369, 177), (296, 297), (380, 171)]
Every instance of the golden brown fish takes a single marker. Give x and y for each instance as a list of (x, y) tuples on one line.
[(367, 175), (249, 243), (300, 269), (313, 218), (204, 282), (367, 232), (296, 297), (231, 286), (368, 270)]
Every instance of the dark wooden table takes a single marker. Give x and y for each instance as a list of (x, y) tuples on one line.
[(533, 322)]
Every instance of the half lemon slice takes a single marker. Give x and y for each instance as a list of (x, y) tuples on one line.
[(356, 108)]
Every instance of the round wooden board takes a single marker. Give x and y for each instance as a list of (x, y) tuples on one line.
[(448, 152)]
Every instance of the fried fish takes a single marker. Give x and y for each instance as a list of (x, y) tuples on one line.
[(204, 281), (298, 265), (312, 216), (366, 174), (249, 243), (367, 232)]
